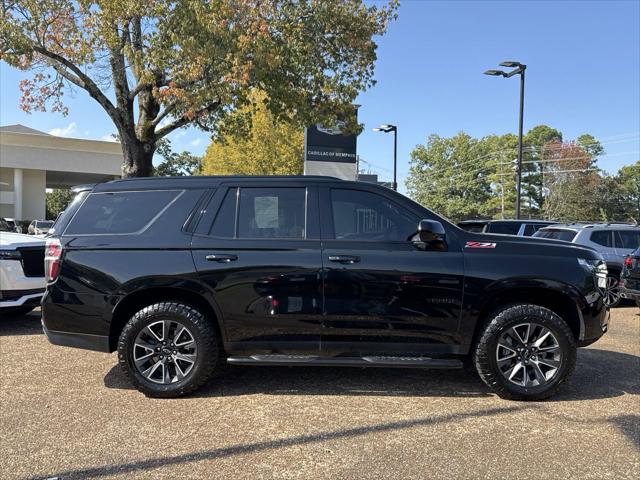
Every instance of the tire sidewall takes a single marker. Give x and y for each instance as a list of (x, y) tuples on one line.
[(146, 317), (549, 320)]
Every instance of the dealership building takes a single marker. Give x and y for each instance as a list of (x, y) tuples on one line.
[(32, 161)]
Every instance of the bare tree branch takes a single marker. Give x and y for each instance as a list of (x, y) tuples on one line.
[(79, 78), (184, 120)]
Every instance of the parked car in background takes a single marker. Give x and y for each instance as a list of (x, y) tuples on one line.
[(182, 274), (521, 228), (11, 224), (613, 240), (39, 227), (22, 281), (630, 277)]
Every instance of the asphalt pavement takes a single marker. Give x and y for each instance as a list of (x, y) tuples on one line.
[(71, 414)]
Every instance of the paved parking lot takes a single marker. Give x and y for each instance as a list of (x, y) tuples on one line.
[(69, 413)]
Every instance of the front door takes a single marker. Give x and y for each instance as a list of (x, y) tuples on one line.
[(381, 293), (259, 255)]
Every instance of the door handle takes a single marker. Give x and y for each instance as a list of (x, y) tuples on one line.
[(221, 258), (348, 259)]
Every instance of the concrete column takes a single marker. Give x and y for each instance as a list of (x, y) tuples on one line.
[(17, 193)]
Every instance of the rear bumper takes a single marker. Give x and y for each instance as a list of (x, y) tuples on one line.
[(20, 298), (77, 340), (630, 288)]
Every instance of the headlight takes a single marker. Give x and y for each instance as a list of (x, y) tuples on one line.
[(10, 255)]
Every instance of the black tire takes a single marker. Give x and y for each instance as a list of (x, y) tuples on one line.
[(485, 352), (16, 311), (203, 333)]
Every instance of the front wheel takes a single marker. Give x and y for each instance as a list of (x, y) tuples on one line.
[(168, 349), (525, 352)]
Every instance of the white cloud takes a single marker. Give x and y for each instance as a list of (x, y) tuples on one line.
[(67, 131), (108, 138), (196, 142)]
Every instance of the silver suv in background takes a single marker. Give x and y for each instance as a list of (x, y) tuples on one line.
[(613, 240)]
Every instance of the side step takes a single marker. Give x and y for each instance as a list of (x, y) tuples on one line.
[(369, 361)]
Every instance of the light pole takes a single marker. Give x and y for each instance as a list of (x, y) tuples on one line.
[(518, 69), (394, 129)]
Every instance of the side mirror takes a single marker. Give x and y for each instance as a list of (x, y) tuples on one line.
[(432, 234)]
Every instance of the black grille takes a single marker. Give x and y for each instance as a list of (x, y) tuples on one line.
[(32, 261)]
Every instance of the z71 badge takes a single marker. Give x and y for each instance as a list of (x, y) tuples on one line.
[(480, 245)]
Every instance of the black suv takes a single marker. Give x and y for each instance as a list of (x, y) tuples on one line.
[(181, 274)]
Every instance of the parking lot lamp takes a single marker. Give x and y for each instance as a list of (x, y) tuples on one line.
[(394, 129), (518, 69)]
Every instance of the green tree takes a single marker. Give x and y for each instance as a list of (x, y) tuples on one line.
[(176, 164), (450, 176), (57, 200), (160, 65), (272, 146)]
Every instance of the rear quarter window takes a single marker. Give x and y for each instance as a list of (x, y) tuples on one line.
[(113, 213), (556, 234), (602, 237)]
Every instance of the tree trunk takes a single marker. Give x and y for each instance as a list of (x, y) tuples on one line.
[(138, 157)]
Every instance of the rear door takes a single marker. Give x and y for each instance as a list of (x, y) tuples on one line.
[(257, 249), (382, 294)]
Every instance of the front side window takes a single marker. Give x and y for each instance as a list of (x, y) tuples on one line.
[(602, 238), (360, 215), (627, 239), (272, 213), (119, 212)]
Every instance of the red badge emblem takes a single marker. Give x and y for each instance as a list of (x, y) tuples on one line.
[(480, 245)]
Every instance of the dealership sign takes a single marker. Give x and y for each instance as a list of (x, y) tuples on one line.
[(330, 152)]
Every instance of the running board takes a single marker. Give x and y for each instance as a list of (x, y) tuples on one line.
[(369, 361)]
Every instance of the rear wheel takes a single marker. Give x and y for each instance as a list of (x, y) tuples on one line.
[(611, 292), (525, 352), (168, 349)]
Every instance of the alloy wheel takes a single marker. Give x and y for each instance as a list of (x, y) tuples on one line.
[(528, 355), (165, 352), (611, 292)]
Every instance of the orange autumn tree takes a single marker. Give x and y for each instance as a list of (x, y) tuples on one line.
[(160, 65)]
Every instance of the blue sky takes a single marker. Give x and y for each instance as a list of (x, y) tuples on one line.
[(583, 75)]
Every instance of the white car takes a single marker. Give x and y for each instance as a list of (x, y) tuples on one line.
[(39, 227), (22, 280)]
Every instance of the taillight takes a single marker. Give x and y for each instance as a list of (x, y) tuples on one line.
[(52, 254), (628, 262)]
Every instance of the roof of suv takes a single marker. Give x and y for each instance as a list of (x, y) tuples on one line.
[(146, 183), (507, 220), (592, 225)]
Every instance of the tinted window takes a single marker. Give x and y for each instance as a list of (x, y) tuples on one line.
[(508, 228), (272, 213), (627, 239), (225, 222), (359, 215), (473, 227), (529, 230), (556, 234), (119, 212), (44, 223), (601, 238)]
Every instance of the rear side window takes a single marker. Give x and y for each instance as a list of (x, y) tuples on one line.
[(119, 212), (508, 228), (556, 234), (627, 239), (601, 238), (272, 213)]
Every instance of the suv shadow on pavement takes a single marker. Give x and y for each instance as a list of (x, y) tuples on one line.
[(599, 374)]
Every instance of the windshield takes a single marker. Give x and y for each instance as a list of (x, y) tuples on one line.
[(4, 226), (556, 234)]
